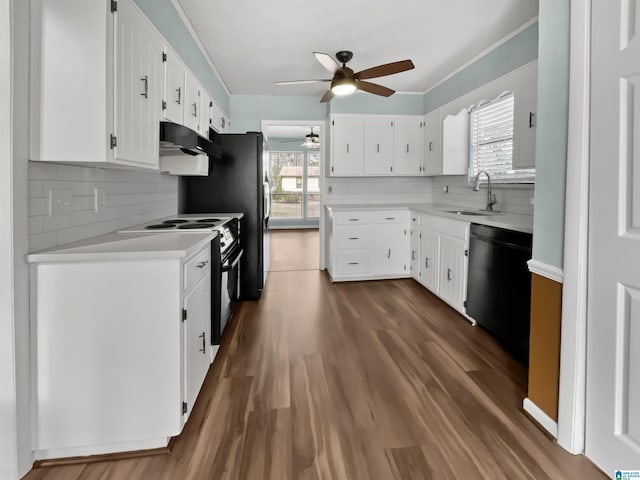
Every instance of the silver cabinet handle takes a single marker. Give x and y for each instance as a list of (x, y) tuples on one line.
[(204, 347), (389, 254), (202, 264), (426, 262), (449, 275), (145, 85), (354, 263), (347, 148), (430, 146), (389, 218), (179, 90), (195, 110), (354, 238), (413, 254), (532, 117), (407, 148), (354, 219), (377, 148)]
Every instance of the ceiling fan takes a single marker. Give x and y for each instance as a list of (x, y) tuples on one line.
[(345, 81), (311, 140)]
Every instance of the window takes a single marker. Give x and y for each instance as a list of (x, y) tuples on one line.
[(491, 142)]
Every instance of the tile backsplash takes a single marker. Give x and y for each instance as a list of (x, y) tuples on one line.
[(377, 190), (515, 199), (127, 198)]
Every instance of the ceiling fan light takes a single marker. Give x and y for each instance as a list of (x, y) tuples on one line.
[(343, 86)]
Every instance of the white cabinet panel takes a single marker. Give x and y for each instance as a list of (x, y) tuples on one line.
[(353, 262), (525, 108), (347, 145), (415, 252), (174, 74), (192, 103), (433, 143), (390, 249), (353, 237), (455, 143), (408, 136), (206, 107), (429, 259), (378, 146), (452, 271), (197, 339)]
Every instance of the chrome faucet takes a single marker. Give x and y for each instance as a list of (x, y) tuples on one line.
[(491, 197)]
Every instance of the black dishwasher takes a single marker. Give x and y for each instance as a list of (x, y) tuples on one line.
[(499, 286)]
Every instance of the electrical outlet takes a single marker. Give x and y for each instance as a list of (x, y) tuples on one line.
[(99, 199), (445, 188), (60, 202)]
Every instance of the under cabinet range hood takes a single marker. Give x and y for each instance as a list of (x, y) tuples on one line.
[(176, 139)]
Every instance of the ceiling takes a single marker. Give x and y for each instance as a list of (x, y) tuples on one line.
[(254, 43)]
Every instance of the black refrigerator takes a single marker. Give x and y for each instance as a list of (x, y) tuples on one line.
[(238, 182)]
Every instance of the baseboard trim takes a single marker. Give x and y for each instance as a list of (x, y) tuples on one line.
[(544, 420), (544, 269)]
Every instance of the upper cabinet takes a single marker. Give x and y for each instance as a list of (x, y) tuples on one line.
[(408, 134), (101, 80), (380, 145), (524, 127), (433, 143), (455, 143)]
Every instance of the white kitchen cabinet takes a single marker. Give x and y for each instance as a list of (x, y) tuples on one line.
[(524, 128), (452, 278), (206, 107), (347, 146), (390, 249), (96, 89), (433, 143), (174, 85), (414, 252), (117, 340), (197, 338), (429, 259), (455, 143), (408, 138), (192, 102), (378, 145)]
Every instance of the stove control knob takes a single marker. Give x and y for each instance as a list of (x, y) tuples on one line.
[(222, 244)]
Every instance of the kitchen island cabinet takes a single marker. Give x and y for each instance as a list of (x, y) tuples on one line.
[(121, 335)]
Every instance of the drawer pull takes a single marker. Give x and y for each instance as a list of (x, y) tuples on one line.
[(202, 264), (354, 219), (449, 278), (354, 263), (389, 218), (389, 254), (413, 254), (204, 348), (354, 238), (426, 262)]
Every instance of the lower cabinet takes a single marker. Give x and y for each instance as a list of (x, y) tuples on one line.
[(442, 248), (121, 348), (368, 244)]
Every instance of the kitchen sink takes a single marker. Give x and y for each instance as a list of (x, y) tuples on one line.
[(469, 212)]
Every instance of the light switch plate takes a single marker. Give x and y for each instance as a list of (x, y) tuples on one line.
[(99, 199), (60, 202)]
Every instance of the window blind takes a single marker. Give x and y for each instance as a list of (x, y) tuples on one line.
[(491, 142)]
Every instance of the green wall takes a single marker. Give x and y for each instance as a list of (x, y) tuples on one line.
[(552, 131), (164, 16), (517, 51), (248, 111)]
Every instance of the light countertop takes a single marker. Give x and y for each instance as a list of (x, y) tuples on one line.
[(509, 221), (126, 246)]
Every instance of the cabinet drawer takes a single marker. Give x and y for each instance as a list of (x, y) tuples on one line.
[(391, 216), (353, 218), (353, 263), (353, 237), (196, 267)]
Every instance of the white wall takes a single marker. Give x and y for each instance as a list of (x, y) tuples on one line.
[(132, 197)]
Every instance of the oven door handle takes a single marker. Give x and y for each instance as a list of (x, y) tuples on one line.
[(235, 261)]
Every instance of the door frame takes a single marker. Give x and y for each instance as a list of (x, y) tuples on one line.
[(573, 342), (323, 142)]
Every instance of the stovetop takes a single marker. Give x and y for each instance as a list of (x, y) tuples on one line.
[(179, 223)]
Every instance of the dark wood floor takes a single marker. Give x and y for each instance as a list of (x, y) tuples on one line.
[(368, 380)]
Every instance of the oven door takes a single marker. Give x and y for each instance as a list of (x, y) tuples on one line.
[(229, 287)]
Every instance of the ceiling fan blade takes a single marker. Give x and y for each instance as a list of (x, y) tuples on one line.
[(374, 88), (300, 82), (327, 62), (384, 70), (327, 96)]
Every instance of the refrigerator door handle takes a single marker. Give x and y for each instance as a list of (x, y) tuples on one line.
[(267, 199)]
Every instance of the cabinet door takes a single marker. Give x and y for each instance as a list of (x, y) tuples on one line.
[(429, 259), (415, 253), (197, 338), (347, 142), (174, 75), (407, 140), (205, 113), (433, 143), (390, 249), (455, 143), (378, 146), (192, 102), (138, 88), (452, 271), (525, 108), (216, 117)]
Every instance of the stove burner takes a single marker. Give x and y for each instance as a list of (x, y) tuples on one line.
[(176, 221), (191, 226), (159, 226), (209, 220)]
